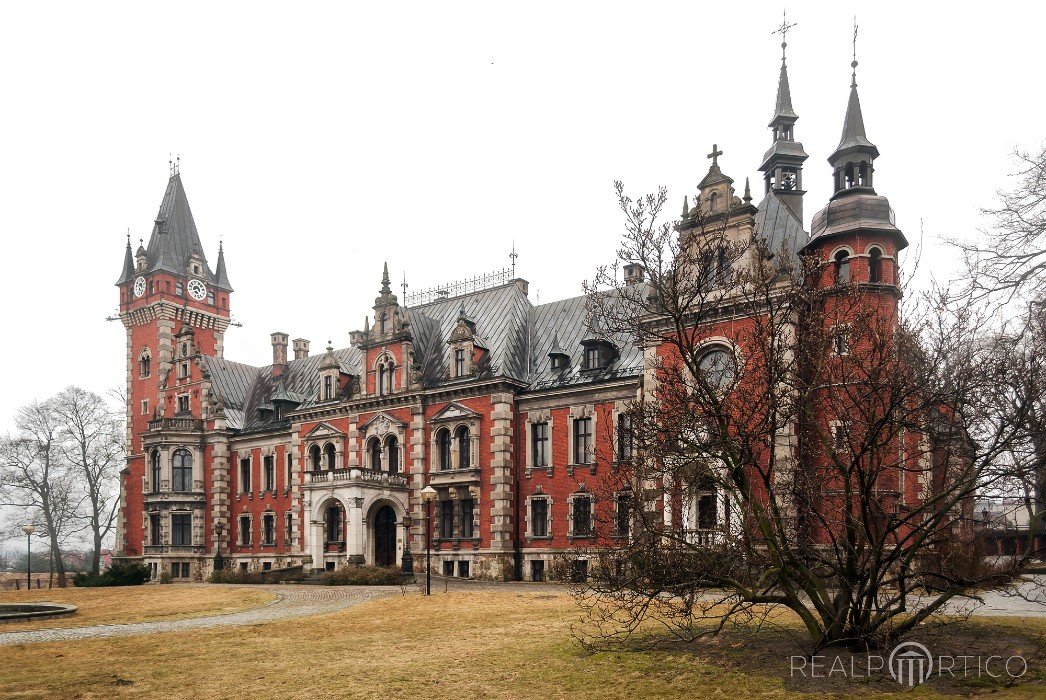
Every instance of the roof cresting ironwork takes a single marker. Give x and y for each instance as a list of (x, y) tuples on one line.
[(465, 286)]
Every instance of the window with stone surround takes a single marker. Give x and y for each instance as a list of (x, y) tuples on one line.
[(443, 446), (330, 456), (155, 471), (625, 441), (290, 470), (392, 449), (539, 444), (462, 437), (269, 528), (155, 537), (181, 471), (288, 531), (145, 407), (145, 363), (245, 475), (623, 514), (181, 529), (581, 515), (459, 363), (446, 519), (374, 450), (183, 403), (315, 458), (539, 516), (467, 510), (583, 441), (269, 470), (245, 530)]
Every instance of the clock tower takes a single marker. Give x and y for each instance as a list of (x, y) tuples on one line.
[(175, 310)]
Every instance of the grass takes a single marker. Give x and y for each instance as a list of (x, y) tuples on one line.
[(482, 644), (118, 605)]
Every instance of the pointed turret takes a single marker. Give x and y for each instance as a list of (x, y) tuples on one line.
[(221, 277), (783, 162), (174, 238), (853, 157), (128, 264)]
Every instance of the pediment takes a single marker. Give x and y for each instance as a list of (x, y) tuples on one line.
[(454, 411), (323, 430), (382, 423)]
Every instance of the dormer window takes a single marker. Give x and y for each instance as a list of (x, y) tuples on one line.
[(195, 269), (559, 361), (328, 388), (383, 322), (459, 363), (592, 358), (386, 372)]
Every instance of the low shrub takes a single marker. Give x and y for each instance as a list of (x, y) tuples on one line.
[(119, 574), (293, 573), (364, 575)]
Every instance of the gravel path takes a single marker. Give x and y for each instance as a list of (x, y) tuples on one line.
[(292, 601)]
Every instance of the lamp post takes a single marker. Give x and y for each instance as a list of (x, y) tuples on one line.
[(428, 495), (219, 560), (29, 530)]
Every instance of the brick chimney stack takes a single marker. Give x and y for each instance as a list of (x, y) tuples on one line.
[(634, 273), (301, 348), (279, 353)]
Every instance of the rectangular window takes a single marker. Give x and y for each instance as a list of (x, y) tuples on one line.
[(467, 508), (245, 530), (841, 340), (328, 387), (290, 472), (269, 465), (448, 568), (269, 529), (579, 571), (210, 297), (154, 529), (289, 528), (459, 363), (539, 517), (446, 519), (183, 370), (539, 444), (181, 529), (463, 569), (176, 569), (178, 288), (623, 515), (840, 436), (245, 475), (185, 569), (582, 507), (537, 570), (624, 437), (145, 407), (582, 440), (707, 511), (183, 403), (591, 358), (243, 566)]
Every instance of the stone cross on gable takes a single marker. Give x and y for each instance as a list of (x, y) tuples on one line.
[(714, 155)]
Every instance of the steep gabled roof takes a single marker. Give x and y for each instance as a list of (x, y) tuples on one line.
[(128, 265), (777, 226)]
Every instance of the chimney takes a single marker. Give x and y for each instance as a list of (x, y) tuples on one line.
[(634, 273), (356, 338), (301, 348), (279, 353)]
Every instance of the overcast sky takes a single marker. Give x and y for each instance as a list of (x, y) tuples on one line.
[(320, 140)]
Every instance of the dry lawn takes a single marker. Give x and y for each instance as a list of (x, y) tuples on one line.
[(104, 606), (457, 645)]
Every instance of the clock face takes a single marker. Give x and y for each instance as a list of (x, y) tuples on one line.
[(197, 290), (139, 286)]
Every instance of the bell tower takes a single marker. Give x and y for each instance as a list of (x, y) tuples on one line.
[(782, 166), (175, 310)]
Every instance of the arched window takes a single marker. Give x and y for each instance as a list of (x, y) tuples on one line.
[(842, 267), (386, 368), (156, 471), (875, 266), (443, 446), (181, 471), (330, 456), (145, 363), (315, 459), (393, 447), (374, 449), (333, 523), (464, 448)]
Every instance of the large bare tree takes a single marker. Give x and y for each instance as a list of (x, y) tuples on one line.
[(36, 478), (828, 470), (92, 445)]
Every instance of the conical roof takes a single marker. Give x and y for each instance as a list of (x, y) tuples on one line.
[(783, 108), (128, 265), (174, 237), (221, 276), (854, 137)]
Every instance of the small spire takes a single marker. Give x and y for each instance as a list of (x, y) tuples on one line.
[(748, 192), (403, 285), (385, 288), (686, 208), (366, 324)]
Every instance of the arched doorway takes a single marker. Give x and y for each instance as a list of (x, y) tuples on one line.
[(385, 537)]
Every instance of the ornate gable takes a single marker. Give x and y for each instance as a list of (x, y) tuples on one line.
[(454, 411), (381, 424), (323, 430)]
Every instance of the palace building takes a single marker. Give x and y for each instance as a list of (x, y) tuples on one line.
[(508, 408)]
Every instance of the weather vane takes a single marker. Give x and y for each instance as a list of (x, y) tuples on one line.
[(783, 31), (853, 76), (513, 255), (404, 285)]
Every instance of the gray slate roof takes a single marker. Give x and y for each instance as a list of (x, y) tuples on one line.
[(778, 227)]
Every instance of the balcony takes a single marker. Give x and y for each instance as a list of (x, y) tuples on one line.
[(455, 477), (174, 549), (176, 424), (355, 477)]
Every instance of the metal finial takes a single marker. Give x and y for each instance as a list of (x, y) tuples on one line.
[(404, 286), (783, 31), (513, 255), (714, 155), (853, 64)]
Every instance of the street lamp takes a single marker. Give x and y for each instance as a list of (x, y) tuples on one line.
[(428, 495), (29, 530), (219, 560)]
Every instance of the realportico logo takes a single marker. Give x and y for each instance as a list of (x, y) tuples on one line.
[(910, 664)]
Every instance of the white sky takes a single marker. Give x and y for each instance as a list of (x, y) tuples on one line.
[(322, 140)]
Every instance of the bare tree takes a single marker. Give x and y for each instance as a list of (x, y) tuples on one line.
[(828, 468), (92, 445), (1009, 259), (37, 478)]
